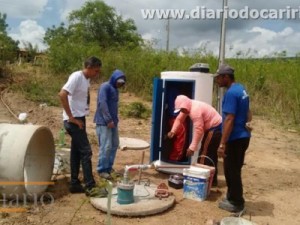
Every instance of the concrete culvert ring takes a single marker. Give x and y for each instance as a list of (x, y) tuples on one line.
[(26, 159), (39, 160)]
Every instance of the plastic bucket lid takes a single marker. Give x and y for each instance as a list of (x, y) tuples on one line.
[(196, 172), (236, 221)]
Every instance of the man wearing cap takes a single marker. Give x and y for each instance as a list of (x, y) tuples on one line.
[(106, 119), (235, 136), (206, 127)]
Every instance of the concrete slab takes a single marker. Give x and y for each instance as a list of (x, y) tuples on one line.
[(133, 143), (145, 202)]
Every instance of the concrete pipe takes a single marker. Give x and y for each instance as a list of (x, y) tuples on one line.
[(26, 159)]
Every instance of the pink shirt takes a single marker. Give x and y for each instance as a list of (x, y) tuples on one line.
[(203, 115)]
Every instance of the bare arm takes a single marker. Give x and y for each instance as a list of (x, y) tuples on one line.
[(63, 95), (249, 119), (249, 116), (179, 120)]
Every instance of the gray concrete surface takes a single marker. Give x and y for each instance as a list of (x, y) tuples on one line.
[(133, 144), (145, 203)]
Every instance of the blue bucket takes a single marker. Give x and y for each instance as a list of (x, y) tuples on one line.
[(125, 193)]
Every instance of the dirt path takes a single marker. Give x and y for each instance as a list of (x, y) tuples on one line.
[(270, 176), (6, 115)]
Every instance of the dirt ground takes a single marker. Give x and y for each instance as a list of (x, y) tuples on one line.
[(270, 176)]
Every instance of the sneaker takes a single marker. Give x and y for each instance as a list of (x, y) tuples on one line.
[(77, 188), (228, 206), (105, 175)]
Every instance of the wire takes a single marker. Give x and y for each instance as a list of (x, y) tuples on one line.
[(146, 182)]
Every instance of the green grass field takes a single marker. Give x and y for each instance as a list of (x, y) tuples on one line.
[(273, 84)]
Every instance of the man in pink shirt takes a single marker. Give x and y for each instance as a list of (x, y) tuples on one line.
[(206, 128)]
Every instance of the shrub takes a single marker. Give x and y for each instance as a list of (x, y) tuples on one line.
[(135, 110)]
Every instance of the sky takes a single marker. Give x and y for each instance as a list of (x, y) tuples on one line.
[(247, 35)]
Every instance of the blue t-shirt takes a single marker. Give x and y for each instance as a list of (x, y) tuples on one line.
[(236, 101)]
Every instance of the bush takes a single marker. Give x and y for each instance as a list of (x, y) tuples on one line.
[(5, 72), (136, 110)]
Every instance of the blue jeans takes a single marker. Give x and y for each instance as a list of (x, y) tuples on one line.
[(108, 139), (80, 152)]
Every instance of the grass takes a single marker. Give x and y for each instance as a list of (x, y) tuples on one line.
[(274, 88), (135, 110), (273, 84), (36, 84)]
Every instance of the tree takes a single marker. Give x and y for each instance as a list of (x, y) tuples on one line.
[(96, 26), (281, 54), (66, 50), (8, 47), (3, 24), (96, 21), (57, 35)]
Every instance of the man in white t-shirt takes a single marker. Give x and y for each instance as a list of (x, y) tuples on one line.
[(74, 97)]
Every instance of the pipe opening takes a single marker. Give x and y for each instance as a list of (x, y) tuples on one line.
[(38, 163)]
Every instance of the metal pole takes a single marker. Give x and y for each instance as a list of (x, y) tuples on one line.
[(222, 52), (140, 171), (168, 34)]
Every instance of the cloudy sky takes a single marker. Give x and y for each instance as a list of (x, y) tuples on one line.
[(246, 34)]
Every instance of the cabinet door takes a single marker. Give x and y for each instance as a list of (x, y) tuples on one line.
[(156, 129)]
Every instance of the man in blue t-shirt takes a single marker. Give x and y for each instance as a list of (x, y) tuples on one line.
[(236, 116)]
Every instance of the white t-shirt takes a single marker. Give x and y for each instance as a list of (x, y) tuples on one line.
[(78, 88)]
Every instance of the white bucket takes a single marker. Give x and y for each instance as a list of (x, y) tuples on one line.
[(195, 183), (236, 221)]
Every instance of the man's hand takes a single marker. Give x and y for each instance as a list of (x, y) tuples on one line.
[(189, 152), (171, 134), (111, 124), (79, 123), (221, 151), (249, 126)]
